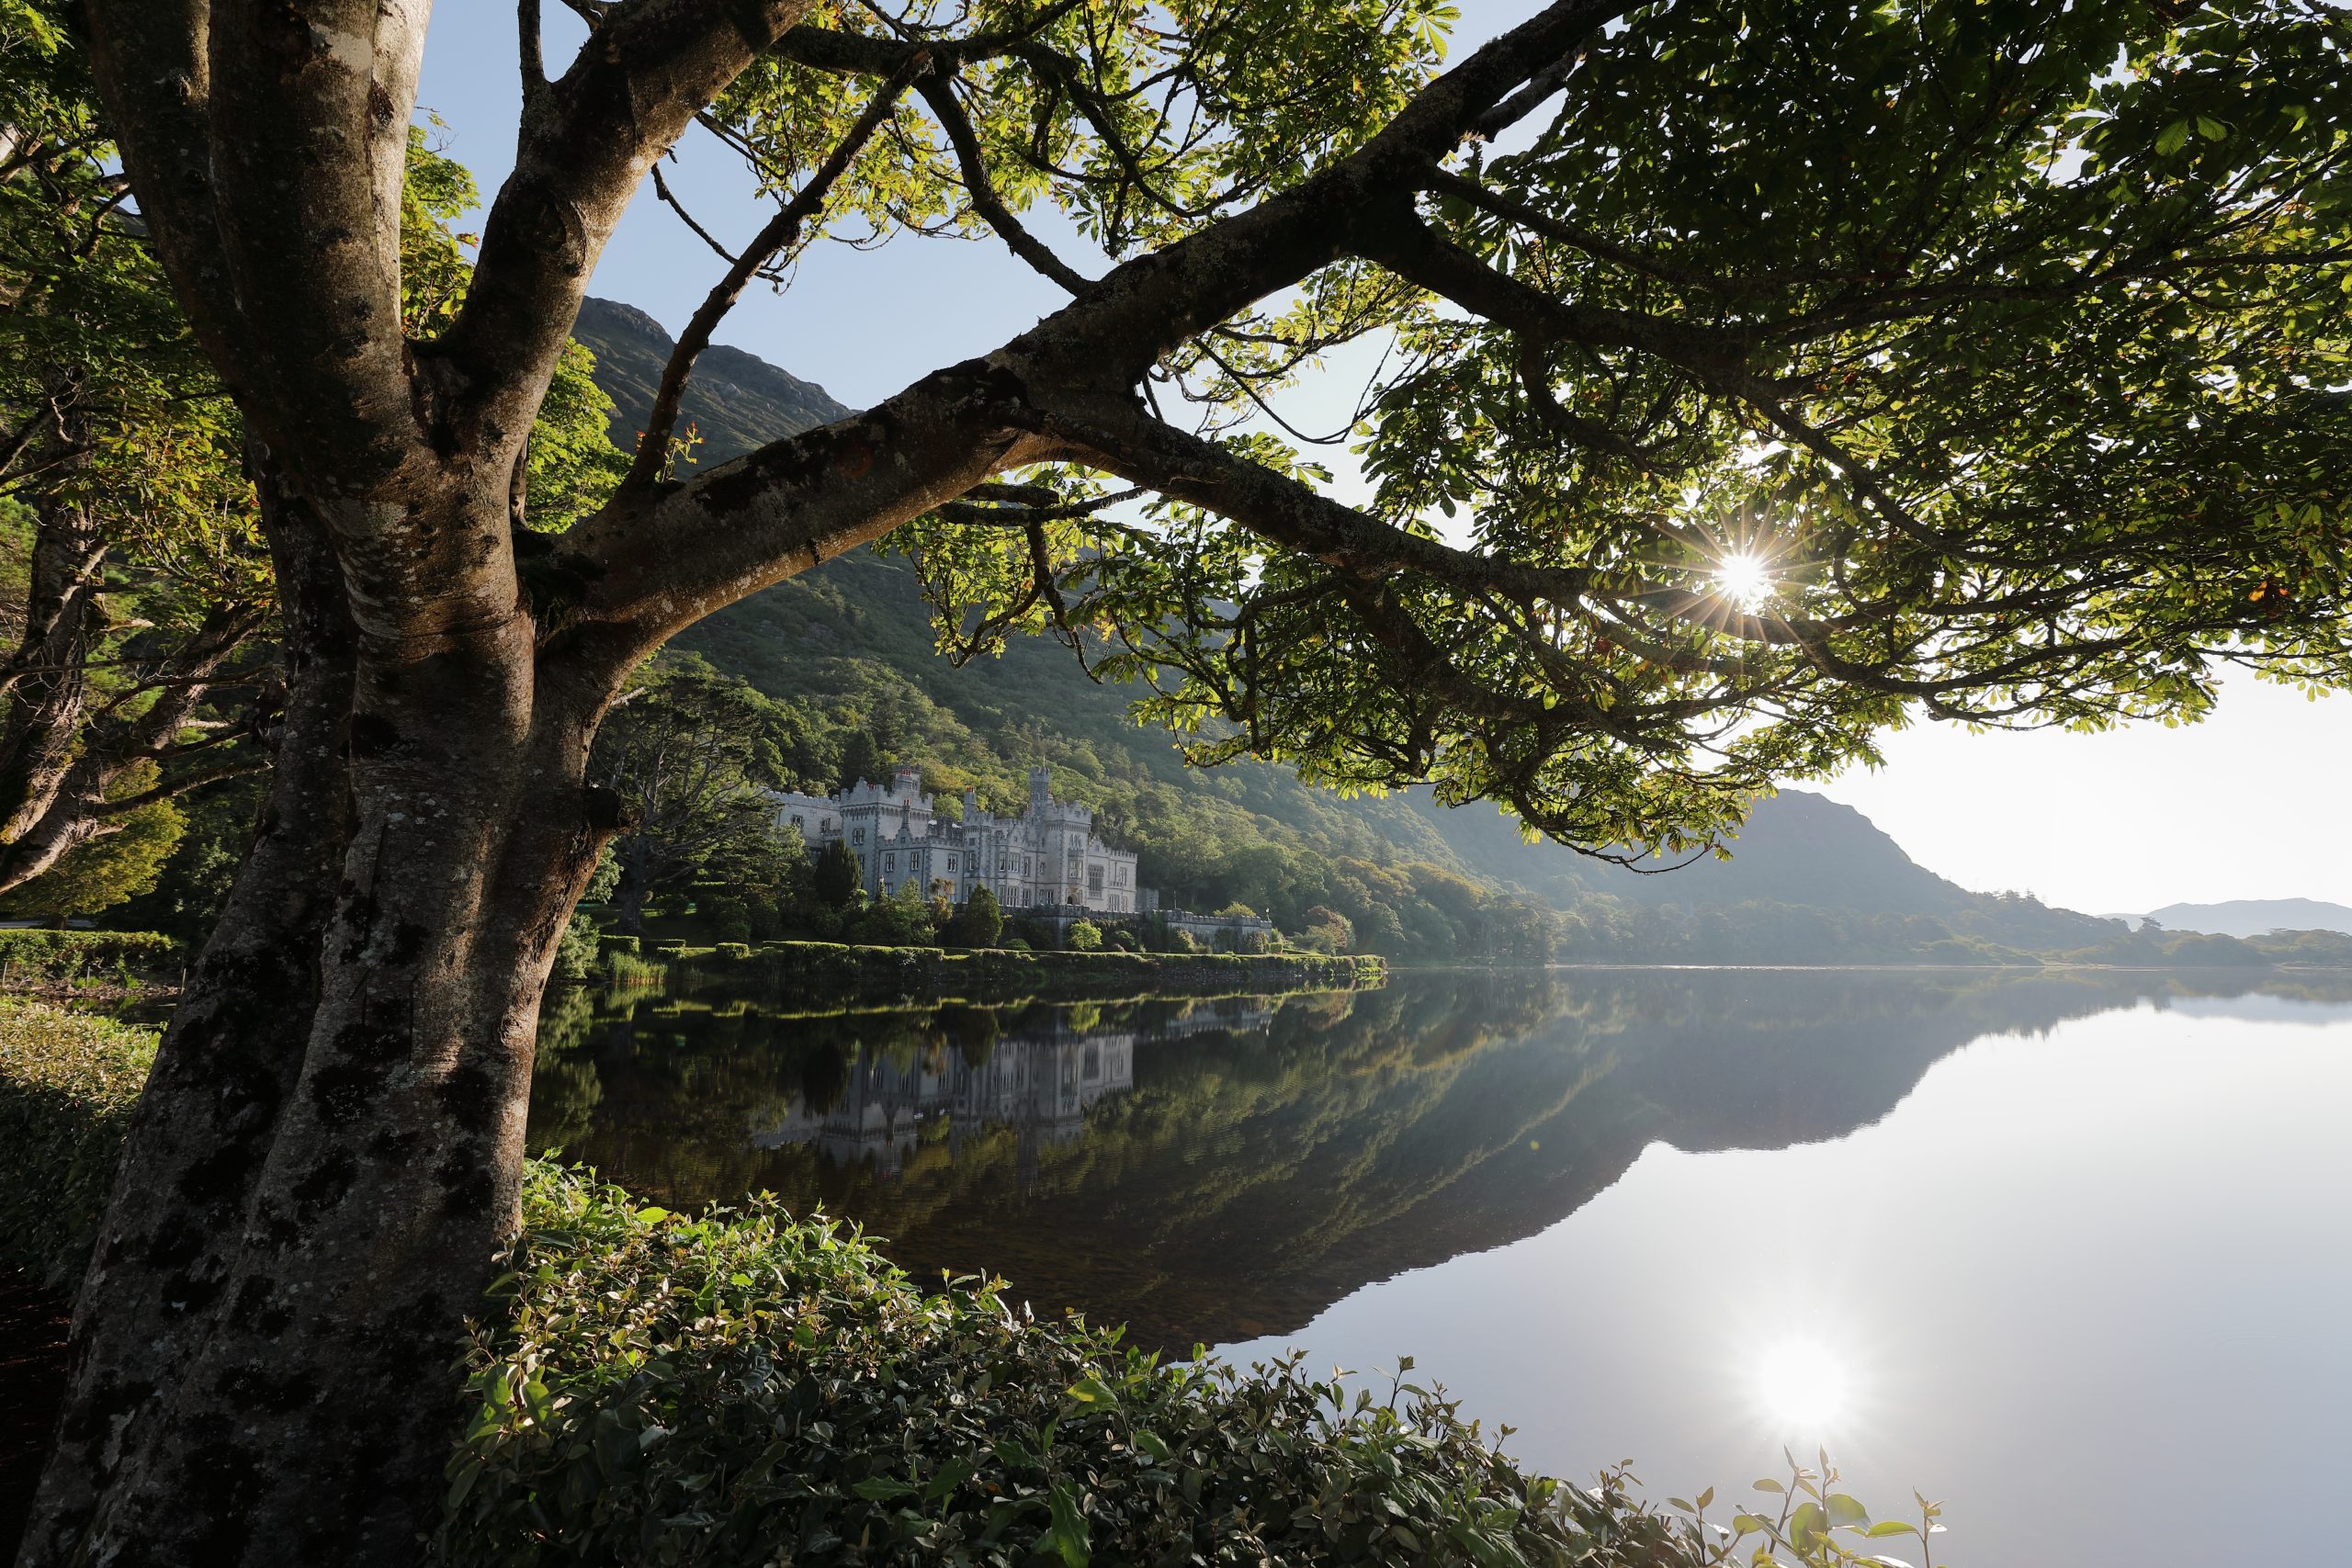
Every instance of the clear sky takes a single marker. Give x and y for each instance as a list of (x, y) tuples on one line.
[(2246, 805)]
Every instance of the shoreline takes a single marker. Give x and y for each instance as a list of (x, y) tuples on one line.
[(815, 970)]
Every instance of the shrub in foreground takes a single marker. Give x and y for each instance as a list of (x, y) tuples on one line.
[(748, 1389), (68, 1081)]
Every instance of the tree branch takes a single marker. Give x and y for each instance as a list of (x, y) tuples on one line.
[(940, 94), (659, 562), (170, 788), (647, 70), (661, 192), (777, 235), (531, 51), (315, 261), (153, 65)]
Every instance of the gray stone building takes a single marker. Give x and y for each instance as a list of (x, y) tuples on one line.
[(1046, 858)]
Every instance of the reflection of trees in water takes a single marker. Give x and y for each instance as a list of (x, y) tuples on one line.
[(1218, 1174)]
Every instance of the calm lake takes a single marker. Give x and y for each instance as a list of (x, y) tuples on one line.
[(2072, 1253)]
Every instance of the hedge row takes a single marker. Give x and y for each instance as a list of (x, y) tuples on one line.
[(839, 970), (67, 1084), (39, 952)]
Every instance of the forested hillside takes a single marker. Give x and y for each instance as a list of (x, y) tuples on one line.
[(849, 648)]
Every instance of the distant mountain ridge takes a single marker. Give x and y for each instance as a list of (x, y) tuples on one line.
[(855, 619), (735, 401), (2253, 916)]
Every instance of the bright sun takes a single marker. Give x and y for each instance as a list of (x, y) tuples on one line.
[(1802, 1384), (1744, 579)]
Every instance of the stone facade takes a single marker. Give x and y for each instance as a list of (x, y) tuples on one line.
[(1047, 858)]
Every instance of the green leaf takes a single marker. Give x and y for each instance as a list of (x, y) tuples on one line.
[(468, 1473), (1067, 1534), (1847, 1512)]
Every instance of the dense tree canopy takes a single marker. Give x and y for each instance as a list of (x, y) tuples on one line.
[(1757, 377), (130, 572), (691, 754), (1813, 366)]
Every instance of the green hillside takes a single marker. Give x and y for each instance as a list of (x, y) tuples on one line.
[(850, 646)]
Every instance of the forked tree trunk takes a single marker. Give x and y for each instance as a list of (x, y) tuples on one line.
[(47, 684), (60, 763), (325, 1165)]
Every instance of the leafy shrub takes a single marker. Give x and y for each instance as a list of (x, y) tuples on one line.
[(576, 949), (1798, 1524), (747, 1390), (1013, 944), (978, 923), (728, 918), (38, 954), (98, 874), (1084, 936), (67, 1083)]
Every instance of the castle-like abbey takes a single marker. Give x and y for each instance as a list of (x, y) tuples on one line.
[(1046, 858)]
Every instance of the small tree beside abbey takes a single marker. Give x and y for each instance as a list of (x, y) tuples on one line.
[(1760, 376)]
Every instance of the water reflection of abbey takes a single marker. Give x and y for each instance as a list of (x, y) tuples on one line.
[(1039, 1080)]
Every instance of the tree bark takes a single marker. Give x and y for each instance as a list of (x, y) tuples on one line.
[(326, 1162), (223, 1071), (629, 896)]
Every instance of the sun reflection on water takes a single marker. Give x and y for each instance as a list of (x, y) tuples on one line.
[(1802, 1385)]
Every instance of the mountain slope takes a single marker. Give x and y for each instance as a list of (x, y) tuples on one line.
[(856, 631), (734, 401), (852, 640), (2253, 916)]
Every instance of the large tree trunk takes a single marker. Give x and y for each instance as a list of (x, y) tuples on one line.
[(325, 1165), (226, 1064)]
